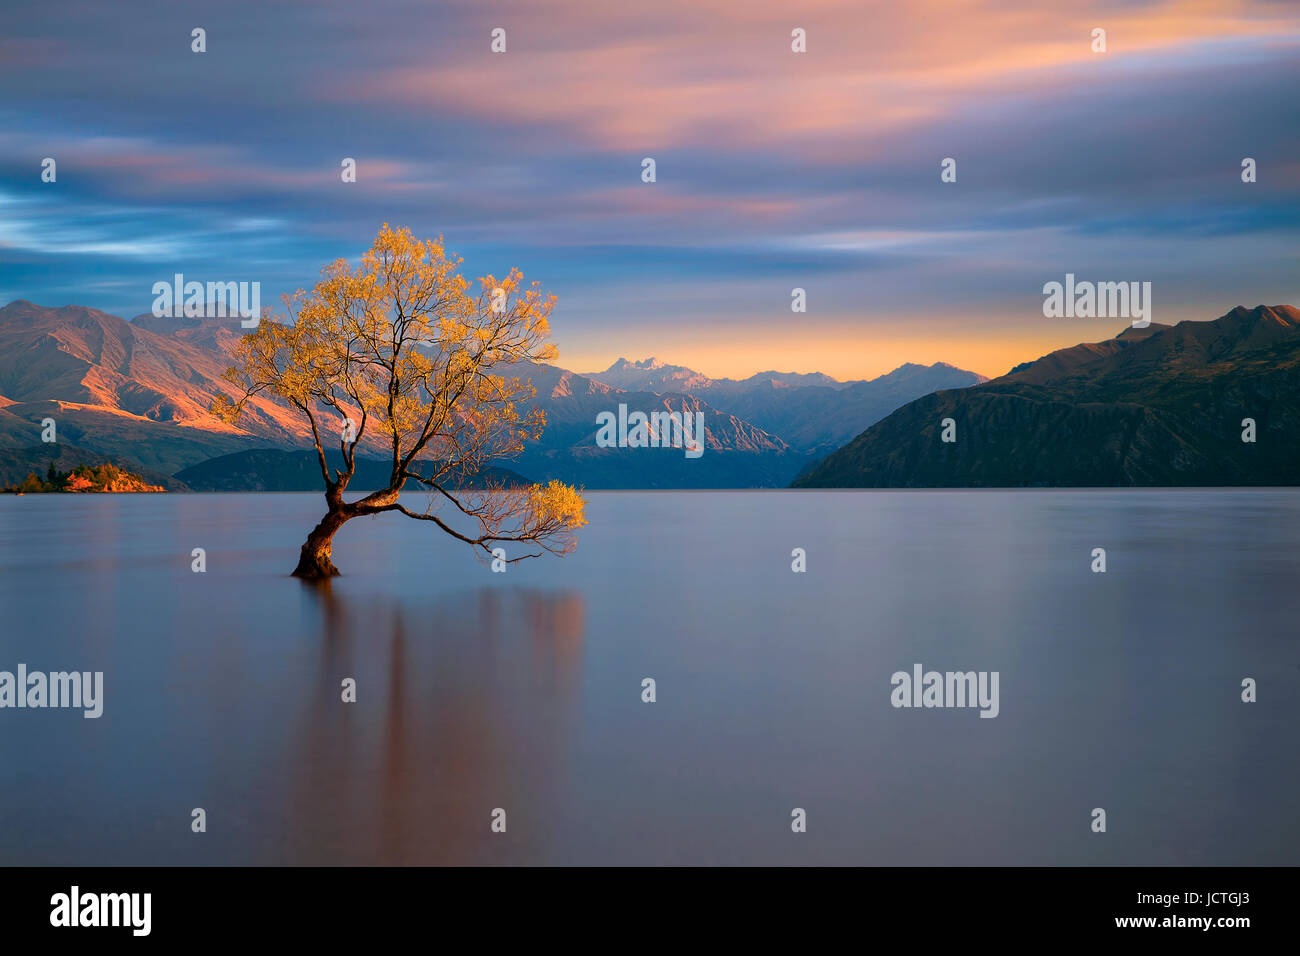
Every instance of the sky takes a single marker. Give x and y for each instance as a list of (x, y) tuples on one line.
[(775, 170)]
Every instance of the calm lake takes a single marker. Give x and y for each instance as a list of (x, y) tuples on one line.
[(523, 690)]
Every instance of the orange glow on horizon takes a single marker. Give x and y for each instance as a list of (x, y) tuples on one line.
[(992, 352)]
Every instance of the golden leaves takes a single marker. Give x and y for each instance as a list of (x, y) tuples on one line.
[(557, 504)]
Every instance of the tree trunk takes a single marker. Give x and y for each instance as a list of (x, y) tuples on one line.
[(314, 560)]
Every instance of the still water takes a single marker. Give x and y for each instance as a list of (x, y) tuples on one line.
[(523, 690)]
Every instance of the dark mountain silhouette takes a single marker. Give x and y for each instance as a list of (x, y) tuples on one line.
[(274, 469), (1160, 406)]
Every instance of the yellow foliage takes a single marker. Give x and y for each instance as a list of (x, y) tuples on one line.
[(559, 504)]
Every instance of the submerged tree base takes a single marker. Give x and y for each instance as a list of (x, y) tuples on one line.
[(315, 558), (314, 567)]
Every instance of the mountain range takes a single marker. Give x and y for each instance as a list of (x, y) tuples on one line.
[(1164, 405), (1159, 406), (138, 393)]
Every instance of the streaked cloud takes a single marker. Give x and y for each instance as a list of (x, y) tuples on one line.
[(775, 169)]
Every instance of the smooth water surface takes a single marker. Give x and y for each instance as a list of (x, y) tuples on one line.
[(523, 690)]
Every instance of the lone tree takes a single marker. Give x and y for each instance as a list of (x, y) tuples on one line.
[(405, 354)]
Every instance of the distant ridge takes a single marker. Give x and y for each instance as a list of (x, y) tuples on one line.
[(274, 469), (811, 412)]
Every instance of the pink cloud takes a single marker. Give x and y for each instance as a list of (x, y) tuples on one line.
[(673, 73)]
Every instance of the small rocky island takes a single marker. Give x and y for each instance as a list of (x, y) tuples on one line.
[(83, 478)]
